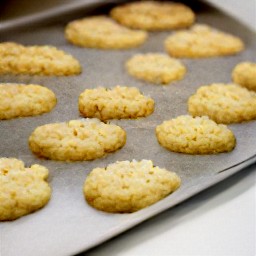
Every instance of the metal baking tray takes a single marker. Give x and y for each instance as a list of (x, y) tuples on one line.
[(67, 224)]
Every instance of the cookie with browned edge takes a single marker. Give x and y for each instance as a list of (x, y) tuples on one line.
[(76, 140), (202, 41), (23, 190), (125, 186), (117, 102), (195, 135), (153, 15), (20, 100), (103, 33), (36, 60), (224, 103)]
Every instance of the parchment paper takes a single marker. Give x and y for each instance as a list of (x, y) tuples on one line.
[(67, 225)]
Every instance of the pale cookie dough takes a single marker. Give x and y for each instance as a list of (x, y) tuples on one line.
[(153, 15), (155, 68), (104, 33), (76, 140), (22, 190), (125, 187), (202, 41), (19, 100), (36, 60), (118, 102), (244, 74), (195, 135), (224, 103)]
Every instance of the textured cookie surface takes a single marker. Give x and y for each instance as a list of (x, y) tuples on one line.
[(153, 15), (224, 103), (103, 32), (128, 186), (36, 60), (118, 102), (244, 74), (198, 135), (22, 190), (155, 68), (202, 41), (76, 140), (17, 100)]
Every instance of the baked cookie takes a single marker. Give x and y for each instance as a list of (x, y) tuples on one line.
[(195, 135), (104, 33), (118, 102), (153, 15), (124, 187), (22, 190), (76, 140), (155, 68), (244, 74), (202, 41), (36, 60), (224, 103), (19, 100)]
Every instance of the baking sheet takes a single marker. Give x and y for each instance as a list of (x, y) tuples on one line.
[(67, 225)]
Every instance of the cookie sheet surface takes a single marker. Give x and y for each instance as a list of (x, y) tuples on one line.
[(68, 225)]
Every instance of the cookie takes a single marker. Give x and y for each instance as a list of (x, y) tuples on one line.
[(118, 102), (224, 103), (104, 33), (155, 68), (195, 135), (36, 60), (125, 187), (244, 74), (153, 15), (19, 100), (22, 190), (76, 140), (202, 41)]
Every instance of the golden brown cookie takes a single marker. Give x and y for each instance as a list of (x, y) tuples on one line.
[(103, 32), (124, 187), (118, 102), (202, 41), (224, 103), (19, 100), (36, 60), (76, 140), (153, 15), (22, 190), (244, 74), (155, 68), (195, 135)]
